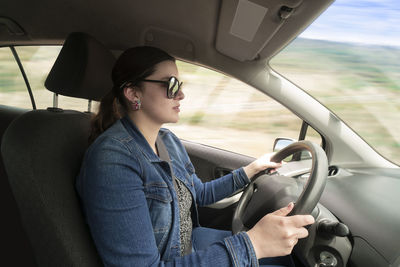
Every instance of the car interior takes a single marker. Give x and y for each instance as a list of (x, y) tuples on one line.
[(46, 187), (42, 149)]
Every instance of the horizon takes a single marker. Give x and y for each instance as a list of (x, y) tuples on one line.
[(349, 42)]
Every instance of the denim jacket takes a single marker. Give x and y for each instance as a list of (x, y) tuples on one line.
[(131, 206)]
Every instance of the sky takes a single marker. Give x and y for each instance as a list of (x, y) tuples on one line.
[(359, 21)]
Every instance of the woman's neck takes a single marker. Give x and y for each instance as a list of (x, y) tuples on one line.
[(148, 129)]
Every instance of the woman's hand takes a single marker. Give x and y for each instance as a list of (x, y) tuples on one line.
[(260, 164), (276, 234)]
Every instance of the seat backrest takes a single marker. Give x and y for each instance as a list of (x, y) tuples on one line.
[(12, 233), (42, 152)]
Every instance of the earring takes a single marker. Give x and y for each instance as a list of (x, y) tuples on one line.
[(136, 104)]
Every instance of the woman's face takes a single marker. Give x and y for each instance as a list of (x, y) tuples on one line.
[(153, 96)]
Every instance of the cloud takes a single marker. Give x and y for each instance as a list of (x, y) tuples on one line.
[(365, 21)]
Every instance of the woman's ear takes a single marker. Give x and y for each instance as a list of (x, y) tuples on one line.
[(132, 93)]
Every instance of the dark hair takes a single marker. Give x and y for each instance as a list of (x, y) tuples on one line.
[(131, 67)]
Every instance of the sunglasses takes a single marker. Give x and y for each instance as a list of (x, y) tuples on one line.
[(173, 86)]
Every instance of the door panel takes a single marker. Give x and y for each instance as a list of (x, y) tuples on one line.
[(211, 163)]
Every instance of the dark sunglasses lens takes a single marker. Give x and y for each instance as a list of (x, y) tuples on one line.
[(173, 87)]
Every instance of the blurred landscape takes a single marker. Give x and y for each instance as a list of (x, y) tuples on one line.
[(360, 83)]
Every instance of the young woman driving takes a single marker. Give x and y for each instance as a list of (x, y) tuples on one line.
[(141, 207)]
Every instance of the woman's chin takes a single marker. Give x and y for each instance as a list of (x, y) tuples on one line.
[(174, 119)]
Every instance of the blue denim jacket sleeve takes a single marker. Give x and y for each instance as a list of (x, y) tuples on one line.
[(212, 191), (215, 190), (116, 211)]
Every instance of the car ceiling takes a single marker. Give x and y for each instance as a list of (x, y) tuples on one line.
[(204, 31)]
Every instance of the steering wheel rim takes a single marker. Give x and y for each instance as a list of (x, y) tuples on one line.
[(311, 193)]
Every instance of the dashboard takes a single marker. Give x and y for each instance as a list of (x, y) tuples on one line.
[(367, 201)]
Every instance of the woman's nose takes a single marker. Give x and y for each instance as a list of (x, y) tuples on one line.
[(180, 95)]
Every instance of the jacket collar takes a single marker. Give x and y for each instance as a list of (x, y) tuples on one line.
[(139, 139)]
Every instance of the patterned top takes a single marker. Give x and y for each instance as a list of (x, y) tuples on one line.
[(186, 225)]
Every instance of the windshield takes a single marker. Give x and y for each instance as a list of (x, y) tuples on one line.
[(349, 59)]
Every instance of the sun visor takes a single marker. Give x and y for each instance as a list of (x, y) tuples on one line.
[(245, 27)]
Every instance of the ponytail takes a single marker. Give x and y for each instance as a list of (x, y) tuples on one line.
[(109, 112)]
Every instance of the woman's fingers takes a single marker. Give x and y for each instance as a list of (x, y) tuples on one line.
[(297, 223), (260, 164), (301, 220), (302, 233), (295, 220), (265, 162), (276, 233), (285, 210)]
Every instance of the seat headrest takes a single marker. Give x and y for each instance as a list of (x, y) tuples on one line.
[(82, 69)]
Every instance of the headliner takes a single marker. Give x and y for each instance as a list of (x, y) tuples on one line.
[(195, 30)]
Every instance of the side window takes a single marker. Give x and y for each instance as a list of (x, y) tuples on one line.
[(37, 62), (222, 112), (313, 136), (12, 86)]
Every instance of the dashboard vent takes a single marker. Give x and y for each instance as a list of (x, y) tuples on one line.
[(332, 170)]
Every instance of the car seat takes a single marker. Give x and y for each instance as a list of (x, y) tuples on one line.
[(42, 152)]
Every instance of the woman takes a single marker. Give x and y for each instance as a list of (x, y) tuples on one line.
[(141, 210)]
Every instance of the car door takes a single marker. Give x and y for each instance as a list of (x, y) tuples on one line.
[(211, 163)]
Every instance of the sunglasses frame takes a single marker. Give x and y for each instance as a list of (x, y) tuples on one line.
[(170, 95)]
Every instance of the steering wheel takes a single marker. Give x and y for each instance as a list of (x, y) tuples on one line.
[(267, 193)]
